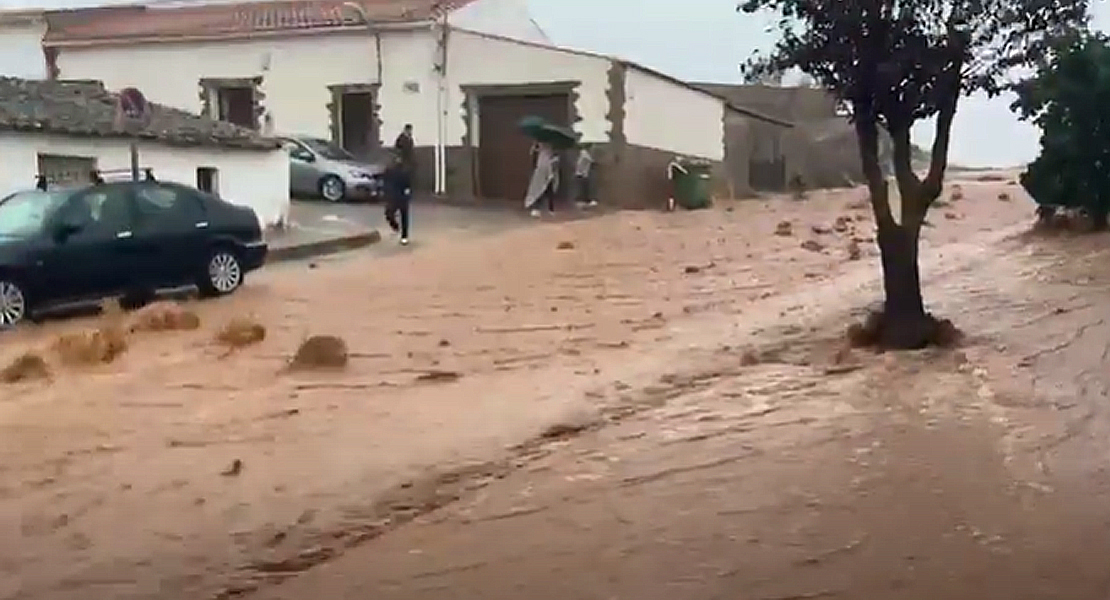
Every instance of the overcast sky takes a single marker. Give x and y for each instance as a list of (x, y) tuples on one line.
[(707, 40)]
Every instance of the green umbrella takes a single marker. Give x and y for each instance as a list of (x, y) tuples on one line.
[(540, 130)]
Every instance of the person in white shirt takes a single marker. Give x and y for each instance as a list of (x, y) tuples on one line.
[(583, 176)]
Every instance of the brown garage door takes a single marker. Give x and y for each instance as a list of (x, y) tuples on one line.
[(504, 163)]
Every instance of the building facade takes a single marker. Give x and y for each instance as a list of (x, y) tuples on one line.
[(462, 73), (66, 130)]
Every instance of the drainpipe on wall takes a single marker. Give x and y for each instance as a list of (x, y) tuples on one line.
[(438, 147), (439, 29)]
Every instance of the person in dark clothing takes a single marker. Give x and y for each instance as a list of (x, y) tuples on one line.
[(149, 175), (398, 196), (405, 148), (40, 183), (95, 178)]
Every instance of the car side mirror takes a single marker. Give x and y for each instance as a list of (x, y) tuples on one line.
[(304, 156)]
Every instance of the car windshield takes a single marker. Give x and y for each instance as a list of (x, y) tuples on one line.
[(327, 149), (23, 214)]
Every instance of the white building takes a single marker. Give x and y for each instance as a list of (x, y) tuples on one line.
[(65, 130), (462, 72), (21, 34)]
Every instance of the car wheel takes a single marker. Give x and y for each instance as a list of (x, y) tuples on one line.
[(332, 189), (222, 275), (14, 306)]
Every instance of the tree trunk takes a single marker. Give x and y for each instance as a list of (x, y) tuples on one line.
[(905, 324)]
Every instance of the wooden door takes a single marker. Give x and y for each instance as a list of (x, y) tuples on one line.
[(504, 162)]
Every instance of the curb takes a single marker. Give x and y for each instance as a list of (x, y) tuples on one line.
[(323, 247)]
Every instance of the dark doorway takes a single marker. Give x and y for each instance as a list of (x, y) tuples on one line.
[(358, 125), (237, 106), (767, 175), (208, 180), (504, 161)]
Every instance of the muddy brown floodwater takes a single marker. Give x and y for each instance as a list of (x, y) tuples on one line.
[(638, 405)]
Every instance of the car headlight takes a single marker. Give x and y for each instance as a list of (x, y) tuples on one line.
[(356, 174)]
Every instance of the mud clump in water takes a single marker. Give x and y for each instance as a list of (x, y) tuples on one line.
[(784, 229), (327, 352), (854, 251), (876, 332), (565, 246), (97, 347), (240, 333), (165, 316), (812, 246), (749, 358), (25, 367)]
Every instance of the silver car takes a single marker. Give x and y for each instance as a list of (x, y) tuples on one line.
[(319, 168)]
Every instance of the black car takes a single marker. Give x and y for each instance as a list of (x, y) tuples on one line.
[(120, 239)]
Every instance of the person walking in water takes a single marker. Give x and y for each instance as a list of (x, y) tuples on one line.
[(545, 180), (398, 196), (405, 148), (583, 177)]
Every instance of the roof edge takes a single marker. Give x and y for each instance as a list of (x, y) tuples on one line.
[(632, 65), (225, 37), (29, 16), (258, 145)]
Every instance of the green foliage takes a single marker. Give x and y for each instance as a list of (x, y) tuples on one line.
[(899, 59), (1069, 99)]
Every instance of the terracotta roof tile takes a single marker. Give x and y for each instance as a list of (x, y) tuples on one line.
[(87, 109), (231, 20)]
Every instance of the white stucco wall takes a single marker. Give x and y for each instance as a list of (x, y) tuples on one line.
[(21, 50), (667, 116), (508, 18), (479, 60), (249, 178), (296, 72)]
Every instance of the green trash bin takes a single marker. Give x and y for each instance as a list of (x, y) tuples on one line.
[(691, 185)]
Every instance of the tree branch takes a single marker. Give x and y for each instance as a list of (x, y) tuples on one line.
[(867, 134), (908, 183), (938, 162)]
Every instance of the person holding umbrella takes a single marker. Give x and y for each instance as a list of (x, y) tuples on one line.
[(545, 180), (550, 139)]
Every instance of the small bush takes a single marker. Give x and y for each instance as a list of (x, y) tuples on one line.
[(164, 316), (25, 367), (240, 333), (87, 348), (320, 352)]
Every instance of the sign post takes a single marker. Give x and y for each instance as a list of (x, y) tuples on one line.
[(132, 109)]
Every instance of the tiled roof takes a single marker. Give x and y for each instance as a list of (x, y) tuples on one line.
[(232, 20), (86, 109)]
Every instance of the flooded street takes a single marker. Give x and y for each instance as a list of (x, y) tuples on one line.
[(638, 405)]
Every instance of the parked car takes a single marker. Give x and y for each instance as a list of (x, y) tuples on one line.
[(320, 168), (130, 239)]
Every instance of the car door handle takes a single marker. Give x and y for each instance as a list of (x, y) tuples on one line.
[(202, 224), (123, 235)]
